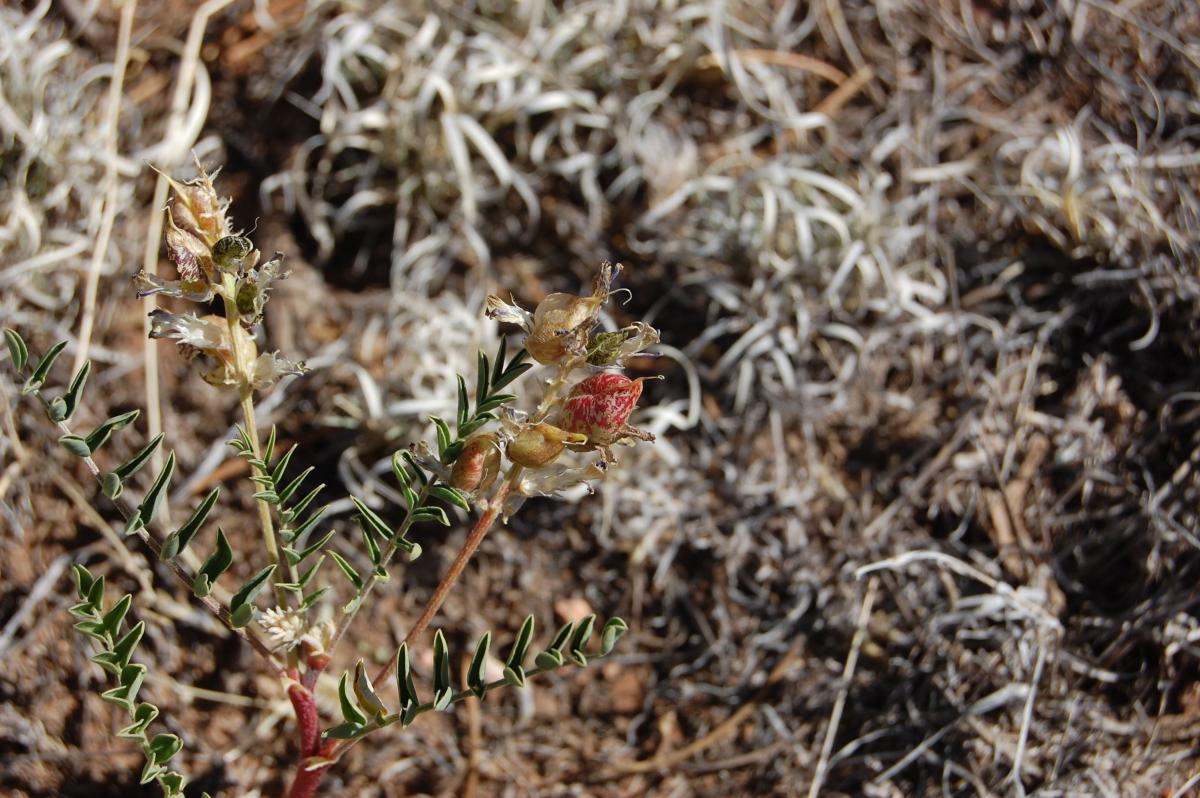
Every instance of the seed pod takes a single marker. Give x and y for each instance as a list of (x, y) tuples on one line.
[(478, 464), (599, 407), (229, 251), (561, 324), (540, 445)]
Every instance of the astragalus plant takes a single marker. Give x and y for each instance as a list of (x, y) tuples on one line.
[(489, 458)]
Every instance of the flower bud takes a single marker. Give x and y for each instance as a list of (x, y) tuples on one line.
[(478, 464), (599, 407), (540, 445), (561, 324)]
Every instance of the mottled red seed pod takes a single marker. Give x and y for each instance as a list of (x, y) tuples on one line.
[(478, 464), (599, 407)]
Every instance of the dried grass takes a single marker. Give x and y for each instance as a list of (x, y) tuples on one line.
[(927, 275)]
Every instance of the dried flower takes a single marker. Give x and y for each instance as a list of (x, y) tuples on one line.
[(147, 284), (253, 287), (191, 257), (541, 444), (611, 348), (208, 336), (269, 368), (562, 322), (599, 407), (196, 209), (478, 464), (561, 325), (509, 313)]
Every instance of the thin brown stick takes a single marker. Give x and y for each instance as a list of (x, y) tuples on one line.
[(781, 58), (179, 101), (112, 114), (839, 704), (474, 739)]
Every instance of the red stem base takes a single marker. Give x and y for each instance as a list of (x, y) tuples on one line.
[(304, 783)]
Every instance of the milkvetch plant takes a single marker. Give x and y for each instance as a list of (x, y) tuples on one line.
[(504, 445)]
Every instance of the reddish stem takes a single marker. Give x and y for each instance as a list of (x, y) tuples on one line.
[(304, 784), (475, 537)]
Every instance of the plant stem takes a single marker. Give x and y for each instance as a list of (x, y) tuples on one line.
[(476, 536), (386, 557), (304, 783), (243, 367)]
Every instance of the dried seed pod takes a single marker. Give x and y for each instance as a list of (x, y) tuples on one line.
[(561, 325), (599, 407), (195, 208), (478, 464), (541, 444)]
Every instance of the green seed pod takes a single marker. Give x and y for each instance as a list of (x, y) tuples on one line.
[(228, 252)]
